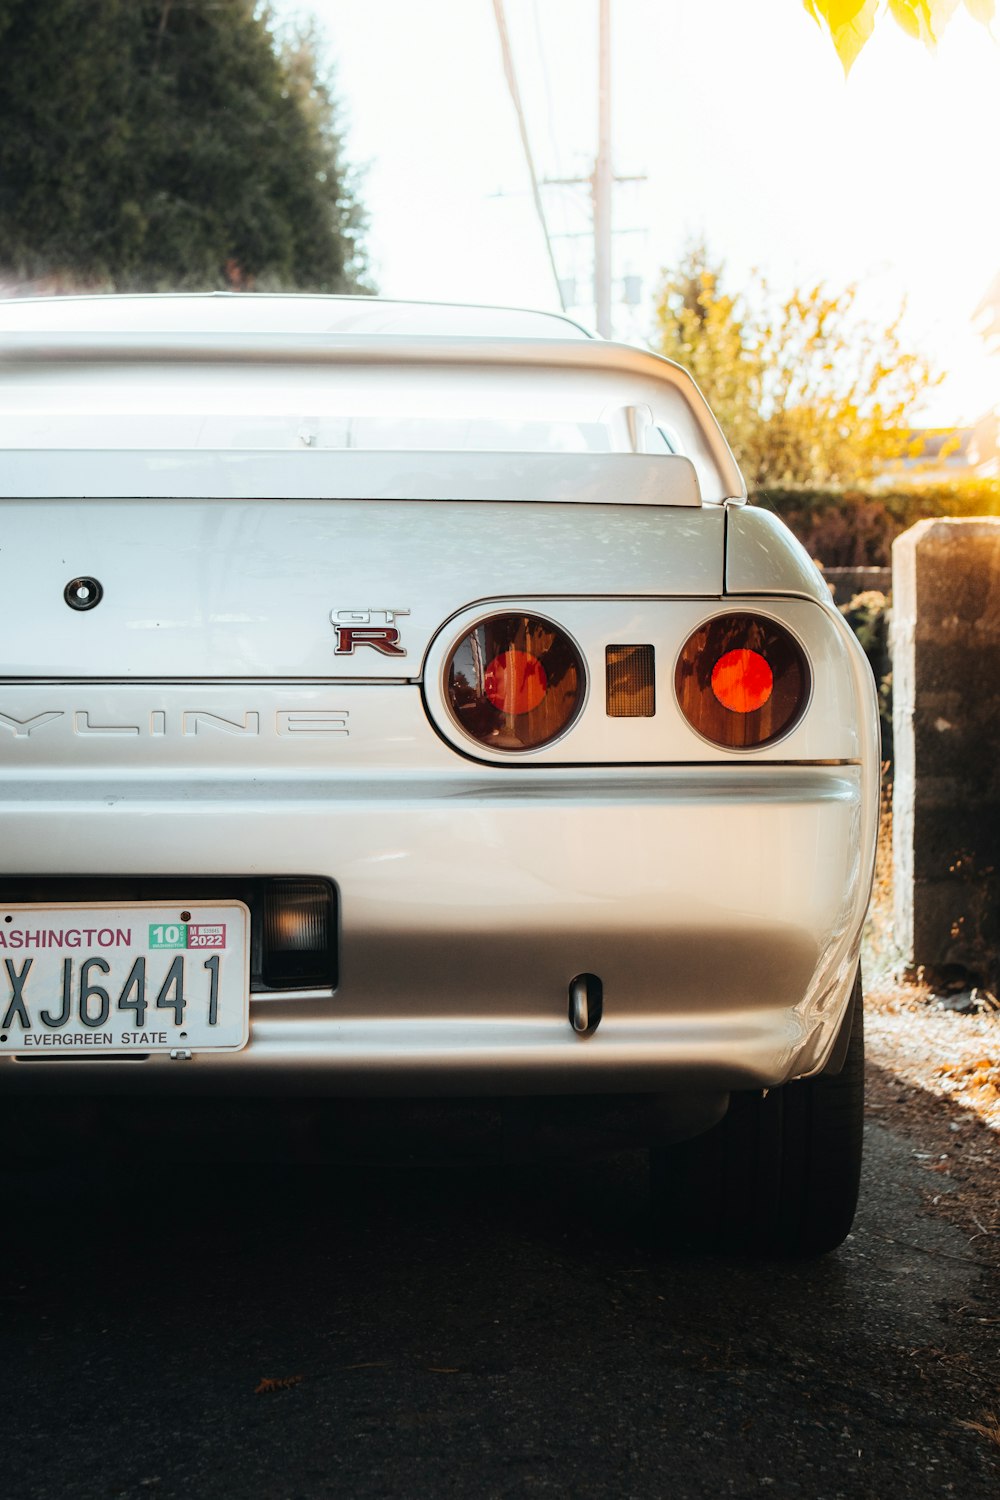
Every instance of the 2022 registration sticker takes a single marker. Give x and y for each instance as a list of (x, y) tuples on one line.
[(187, 935)]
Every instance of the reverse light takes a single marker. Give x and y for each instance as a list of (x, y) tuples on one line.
[(515, 682), (742, 680), (298, 938)]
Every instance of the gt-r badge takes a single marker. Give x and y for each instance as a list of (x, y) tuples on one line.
[(367, 627)]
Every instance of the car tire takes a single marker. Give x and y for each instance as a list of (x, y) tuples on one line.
[(779, 1174)]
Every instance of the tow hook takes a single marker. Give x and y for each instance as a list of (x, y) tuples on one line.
[(586, 1003)]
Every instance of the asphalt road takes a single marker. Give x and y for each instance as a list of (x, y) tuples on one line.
[(453, 1329)]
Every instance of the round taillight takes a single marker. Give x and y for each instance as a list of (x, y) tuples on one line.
[(514, 682), (741, 680)]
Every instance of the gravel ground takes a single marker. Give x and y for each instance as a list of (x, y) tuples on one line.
[(952, 1055), (935, 1074)]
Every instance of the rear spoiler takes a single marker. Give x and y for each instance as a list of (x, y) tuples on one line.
[(352, 474), (652, 377)]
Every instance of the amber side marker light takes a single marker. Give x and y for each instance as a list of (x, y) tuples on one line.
[(515, 682), (741, 680)]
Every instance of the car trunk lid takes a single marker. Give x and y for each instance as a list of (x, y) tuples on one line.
[(196, 588)]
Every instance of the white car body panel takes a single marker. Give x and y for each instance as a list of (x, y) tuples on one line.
[(199, 723), (240, 604), (92, 723), (279, 312), (762, 557), (467, 901)]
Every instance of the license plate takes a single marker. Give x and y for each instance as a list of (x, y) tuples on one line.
[(131, 978)]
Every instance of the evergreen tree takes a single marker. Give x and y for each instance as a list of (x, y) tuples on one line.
[(148, 144)]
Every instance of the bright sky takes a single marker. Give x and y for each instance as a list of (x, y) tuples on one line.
[(738, 114)]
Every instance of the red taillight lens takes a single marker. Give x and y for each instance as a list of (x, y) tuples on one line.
[(515, 682), (741, 680)]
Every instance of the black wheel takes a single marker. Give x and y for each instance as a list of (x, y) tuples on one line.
[(779, 1174)]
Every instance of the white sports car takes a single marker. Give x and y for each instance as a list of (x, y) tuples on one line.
[(403, 700)]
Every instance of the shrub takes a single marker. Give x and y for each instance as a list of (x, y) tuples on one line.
[(856, 528), (868, 616)]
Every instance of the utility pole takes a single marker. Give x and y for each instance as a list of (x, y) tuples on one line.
[(601, 181), (603, 178)]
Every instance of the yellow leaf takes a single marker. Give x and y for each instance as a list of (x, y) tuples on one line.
[(941, 13), (849, 22), (904, 12), (836, 13), (924, 19)]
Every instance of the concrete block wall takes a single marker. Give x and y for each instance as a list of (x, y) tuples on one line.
[(946, 727)]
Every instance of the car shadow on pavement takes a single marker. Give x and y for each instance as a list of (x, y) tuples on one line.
[(439, 1321)]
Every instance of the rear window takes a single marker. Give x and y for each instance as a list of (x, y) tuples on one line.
[(523, 409)]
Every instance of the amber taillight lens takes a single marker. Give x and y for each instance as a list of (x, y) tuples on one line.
[(515, 682), (630, 681), (741, 680)]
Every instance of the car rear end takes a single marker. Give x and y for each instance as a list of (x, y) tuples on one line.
[(421, 715)]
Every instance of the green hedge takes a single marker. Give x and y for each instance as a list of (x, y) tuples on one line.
[(856, 528), (868, 616)]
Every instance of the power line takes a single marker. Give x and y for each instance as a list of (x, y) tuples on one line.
[(603, 177), (550, 114), (515, 94)]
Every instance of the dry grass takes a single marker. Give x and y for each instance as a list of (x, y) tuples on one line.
[(934, 1074), (988, 1427), (880, 954), (956, 1057)]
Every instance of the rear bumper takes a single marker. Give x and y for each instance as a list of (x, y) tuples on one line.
[(721, 907)]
